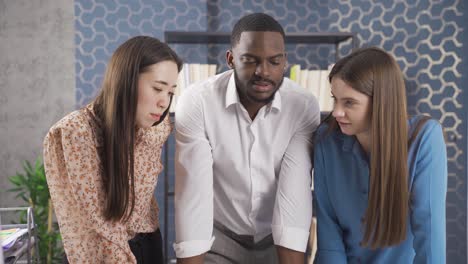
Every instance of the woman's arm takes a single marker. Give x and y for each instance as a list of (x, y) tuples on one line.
[(428, 195), (330, 247), (73, 173)]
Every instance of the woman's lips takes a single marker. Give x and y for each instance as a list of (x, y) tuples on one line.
[(156, 117), (343, 123)]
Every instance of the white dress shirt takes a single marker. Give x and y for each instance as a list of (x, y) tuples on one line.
[(254, 177)]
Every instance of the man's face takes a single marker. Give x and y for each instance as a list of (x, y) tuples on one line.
[(258, 60)]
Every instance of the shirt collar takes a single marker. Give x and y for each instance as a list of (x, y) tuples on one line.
[(231, 93), (348, 141), (351, 144), (277, 100), (232, 97)]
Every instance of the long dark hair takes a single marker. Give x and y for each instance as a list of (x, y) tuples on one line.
[(375, 73), (116, 107)]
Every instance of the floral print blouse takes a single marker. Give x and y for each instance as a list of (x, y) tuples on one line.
[(73, 168)]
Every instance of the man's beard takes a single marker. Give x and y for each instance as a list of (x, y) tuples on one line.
[(252, 98)]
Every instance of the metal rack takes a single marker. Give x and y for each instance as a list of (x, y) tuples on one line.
[(31, 247), (1, 251)]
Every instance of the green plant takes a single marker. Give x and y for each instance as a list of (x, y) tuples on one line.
[(31, 187)]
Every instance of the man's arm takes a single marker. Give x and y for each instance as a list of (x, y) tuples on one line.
[(193, 181), (292, 214)]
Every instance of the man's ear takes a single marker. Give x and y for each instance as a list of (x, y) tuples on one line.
[(229, 59)]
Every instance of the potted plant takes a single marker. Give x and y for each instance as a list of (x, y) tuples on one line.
[(31, 187)]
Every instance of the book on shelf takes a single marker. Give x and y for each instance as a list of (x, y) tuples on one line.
[(303, 80), (313, 78), (295, 72), (190, 74), (314, 82)]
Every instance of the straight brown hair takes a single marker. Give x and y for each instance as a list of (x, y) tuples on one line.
[(375, 73), (116, 107)]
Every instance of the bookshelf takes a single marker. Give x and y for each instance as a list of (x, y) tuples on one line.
[(330, 38), (178, 37), (333, 38)]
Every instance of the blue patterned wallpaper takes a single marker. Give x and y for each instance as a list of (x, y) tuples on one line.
[(428, 38)]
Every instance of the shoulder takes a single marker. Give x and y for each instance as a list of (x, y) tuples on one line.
[(201, 98), (423, 127), (69, 139), (293, 93), (74, 126), (332, 141), (158, 135), (324, 134), (426, 140), (208, 87), (431, 124), (298, 103)]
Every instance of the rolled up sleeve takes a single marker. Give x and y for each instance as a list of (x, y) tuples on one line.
[(193, 180), (292, 213)]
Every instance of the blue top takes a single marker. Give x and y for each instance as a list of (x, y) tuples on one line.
[(341, 185)]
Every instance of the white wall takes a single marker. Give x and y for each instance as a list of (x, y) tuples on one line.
[(37, 79)]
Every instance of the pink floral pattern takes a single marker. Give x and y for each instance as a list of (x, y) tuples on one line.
[(72, 160)]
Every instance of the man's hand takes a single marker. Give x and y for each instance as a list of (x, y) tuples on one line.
[(192, 260), (289, 256)]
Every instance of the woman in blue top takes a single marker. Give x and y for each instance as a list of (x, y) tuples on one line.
[(380, 177)]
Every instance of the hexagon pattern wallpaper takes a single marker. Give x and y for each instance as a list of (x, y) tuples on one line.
[(427, 38)]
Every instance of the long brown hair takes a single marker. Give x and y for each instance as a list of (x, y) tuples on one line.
[(375, 73), (116, 107)]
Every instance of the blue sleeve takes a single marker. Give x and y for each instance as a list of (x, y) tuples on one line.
[(330, 247), (428, 194)]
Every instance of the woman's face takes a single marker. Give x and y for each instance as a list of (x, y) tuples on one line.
[(155, 87), (352, 109)]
